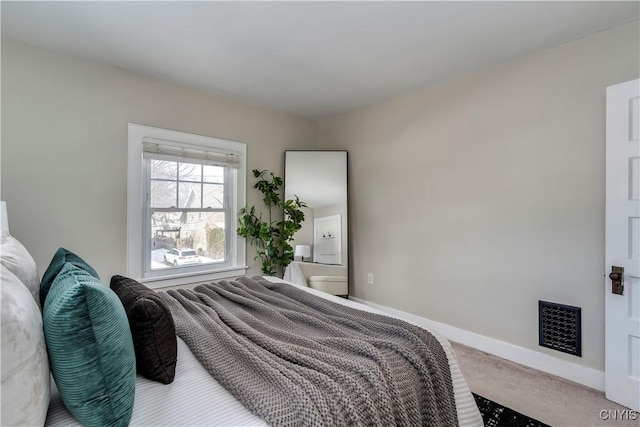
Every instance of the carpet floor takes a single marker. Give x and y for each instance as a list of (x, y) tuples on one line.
[(544, 397)]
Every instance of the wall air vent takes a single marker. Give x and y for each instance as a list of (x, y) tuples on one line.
[(559, 327)]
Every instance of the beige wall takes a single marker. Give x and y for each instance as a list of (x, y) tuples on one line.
[(64, 147), (472, 200), (469, 201)]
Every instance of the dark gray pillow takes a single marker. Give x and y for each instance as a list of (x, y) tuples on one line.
[(152, 329)]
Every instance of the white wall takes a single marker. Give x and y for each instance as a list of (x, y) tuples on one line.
[(304, 236), (64, 147), (472, 200)]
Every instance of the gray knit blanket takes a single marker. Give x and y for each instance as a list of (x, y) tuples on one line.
[(296, 359)]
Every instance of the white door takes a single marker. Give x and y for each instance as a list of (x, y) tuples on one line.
[(327, 239), (622, 248)]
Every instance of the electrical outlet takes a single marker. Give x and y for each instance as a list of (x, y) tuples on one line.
[(370, 278)]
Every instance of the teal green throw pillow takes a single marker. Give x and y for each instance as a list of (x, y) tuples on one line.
[(90, 348), (60, 258)]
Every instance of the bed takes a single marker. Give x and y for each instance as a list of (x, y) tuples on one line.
[(193, 396)]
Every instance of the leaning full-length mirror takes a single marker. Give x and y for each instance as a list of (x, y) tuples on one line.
[(319, 178)]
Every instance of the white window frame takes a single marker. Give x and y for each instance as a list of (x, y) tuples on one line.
[(136, 212)]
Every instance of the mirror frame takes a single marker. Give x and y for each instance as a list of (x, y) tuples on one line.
[(345, 229)]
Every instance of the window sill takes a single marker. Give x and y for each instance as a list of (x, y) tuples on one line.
[(191, 278)]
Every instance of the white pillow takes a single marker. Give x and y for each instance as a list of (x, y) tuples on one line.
[(25, 365), (19, 261)]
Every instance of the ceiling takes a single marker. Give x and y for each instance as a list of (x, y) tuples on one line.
[(313, 59)]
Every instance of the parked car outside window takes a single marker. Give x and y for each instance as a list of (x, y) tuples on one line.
[(181, 256)]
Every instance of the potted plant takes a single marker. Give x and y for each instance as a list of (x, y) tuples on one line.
[(270, 237)]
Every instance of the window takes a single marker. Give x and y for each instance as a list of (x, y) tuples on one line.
[(184, 195)]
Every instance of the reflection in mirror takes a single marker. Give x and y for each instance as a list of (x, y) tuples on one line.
[(319, 178)]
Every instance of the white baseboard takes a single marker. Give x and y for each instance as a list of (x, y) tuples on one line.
[(533, 359)]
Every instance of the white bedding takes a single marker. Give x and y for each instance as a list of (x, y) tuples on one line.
[(195, 398)]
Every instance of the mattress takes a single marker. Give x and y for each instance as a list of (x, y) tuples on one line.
[(195, 398)]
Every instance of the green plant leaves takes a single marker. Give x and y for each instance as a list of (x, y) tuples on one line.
[(271, 238)]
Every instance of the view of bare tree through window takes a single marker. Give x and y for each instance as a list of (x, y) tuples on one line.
[(187, 214)]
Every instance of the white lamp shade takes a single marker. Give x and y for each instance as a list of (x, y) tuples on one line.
[(303, 251), (4, 220)]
